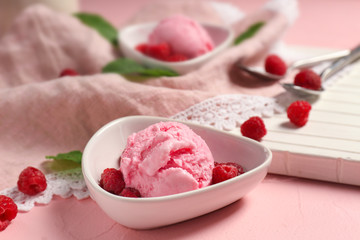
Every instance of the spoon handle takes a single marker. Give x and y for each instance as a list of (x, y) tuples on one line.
[(341, 63), (310, 62)]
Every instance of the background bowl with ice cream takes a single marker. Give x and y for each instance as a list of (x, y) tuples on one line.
[(105, 147), (131, 36)]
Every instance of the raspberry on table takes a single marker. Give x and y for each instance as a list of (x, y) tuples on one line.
[(275, 65), (68, 72), (31, 181), (4, 225), (112, 181), (298, 112), (307, 78), (130, 192), (253, 128), (8, 211), (222, 172)]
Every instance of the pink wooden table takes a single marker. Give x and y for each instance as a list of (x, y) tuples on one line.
[(279, 208)]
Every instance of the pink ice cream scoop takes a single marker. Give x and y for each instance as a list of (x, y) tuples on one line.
[(166, 158), (184, 36)]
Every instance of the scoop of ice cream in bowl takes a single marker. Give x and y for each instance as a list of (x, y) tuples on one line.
[(158, 158), (177, 42), (172, 165)]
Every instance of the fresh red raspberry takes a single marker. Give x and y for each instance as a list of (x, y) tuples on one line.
[(238, 166), (253, 128), (161, 51), (4, 224), (31, 181), (112, 181), (222, 172), (143, 48), (176, 58), (307, 78), (275, 65), (298, 112), (8, 211), (68, 72), (130, 192)]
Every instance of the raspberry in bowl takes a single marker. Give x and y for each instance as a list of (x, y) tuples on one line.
[(105, 147), (182, 48)]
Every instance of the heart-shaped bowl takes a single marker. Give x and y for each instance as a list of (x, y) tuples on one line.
[(133, 35), (103, 151)]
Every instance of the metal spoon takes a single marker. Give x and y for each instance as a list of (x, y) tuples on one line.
[(329, 71), (260, 73)]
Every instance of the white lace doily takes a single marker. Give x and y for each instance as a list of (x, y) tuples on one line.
[(226, 112), (65, 184)]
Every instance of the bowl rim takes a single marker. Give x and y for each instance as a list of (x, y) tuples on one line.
[(90, 179), (191, 61)]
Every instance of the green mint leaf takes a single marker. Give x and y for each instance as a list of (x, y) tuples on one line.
[(74, 156), (101, 25), (158, 72), (251, 31), (125, 66)]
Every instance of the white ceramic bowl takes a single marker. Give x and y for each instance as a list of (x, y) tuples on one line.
[(130, 36), (105, 147)]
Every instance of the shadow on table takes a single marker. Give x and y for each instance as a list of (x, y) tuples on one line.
[(192, 227)]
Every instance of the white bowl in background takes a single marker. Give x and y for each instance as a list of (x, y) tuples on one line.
[(105, 147), (133, 35)]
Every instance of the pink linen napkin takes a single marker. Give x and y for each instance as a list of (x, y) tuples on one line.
[(41, 114)]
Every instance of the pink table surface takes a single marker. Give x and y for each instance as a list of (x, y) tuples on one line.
[(279, 208)]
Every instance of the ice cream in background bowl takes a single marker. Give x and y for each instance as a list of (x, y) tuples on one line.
[(108, 143), (197, 42), (184, 36)]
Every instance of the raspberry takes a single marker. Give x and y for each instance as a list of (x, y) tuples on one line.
[(308, 79), (176, 58), (112, 181), (298, 112), (4, 224), (275, 65), (253, 128), (238, 166), (8, 211), (222, 172), (31, 181), (143, 48), (161, 51), (68, 72), (130, 192)]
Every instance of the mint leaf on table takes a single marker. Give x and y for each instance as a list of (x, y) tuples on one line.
[(101, 25), (125, 66), (74, 156), (250, 32)]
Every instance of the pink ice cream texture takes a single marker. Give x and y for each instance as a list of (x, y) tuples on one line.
[(166, 158), (184, 36)]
